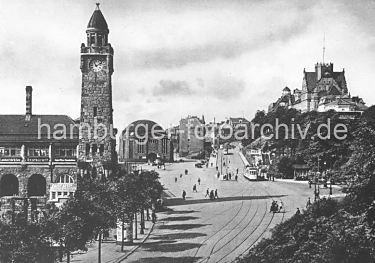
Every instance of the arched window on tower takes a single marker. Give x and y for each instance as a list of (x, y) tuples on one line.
[(100, 39)]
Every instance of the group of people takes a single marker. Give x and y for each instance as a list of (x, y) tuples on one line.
[(275, 207), (211, 194), (186, 172)]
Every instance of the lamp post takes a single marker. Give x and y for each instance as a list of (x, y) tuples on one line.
[(330, 185)]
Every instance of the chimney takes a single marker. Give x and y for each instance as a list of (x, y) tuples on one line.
[(29, 96)]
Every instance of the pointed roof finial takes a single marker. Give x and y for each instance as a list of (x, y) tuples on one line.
[(97, 6), (324, 45)]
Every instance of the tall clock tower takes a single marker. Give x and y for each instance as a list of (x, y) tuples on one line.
[(96, 139)]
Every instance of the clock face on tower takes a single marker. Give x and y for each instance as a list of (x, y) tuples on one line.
[(96, 65)]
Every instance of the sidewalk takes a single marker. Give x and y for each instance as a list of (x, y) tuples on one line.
[(303, 182), (111, 253)]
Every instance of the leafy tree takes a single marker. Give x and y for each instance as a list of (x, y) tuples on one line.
[(24, 242)]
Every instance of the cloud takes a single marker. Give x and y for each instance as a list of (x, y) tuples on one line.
[(172, 88), (212, 35), (226, 87)]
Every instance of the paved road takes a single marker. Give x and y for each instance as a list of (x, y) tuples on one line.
[(201, 230)]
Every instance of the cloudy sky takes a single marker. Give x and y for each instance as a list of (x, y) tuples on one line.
[(172, 58)]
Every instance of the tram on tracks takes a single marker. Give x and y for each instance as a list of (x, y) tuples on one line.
[(255, 173)]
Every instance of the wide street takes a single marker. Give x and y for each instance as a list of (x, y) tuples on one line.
[(202, 230)]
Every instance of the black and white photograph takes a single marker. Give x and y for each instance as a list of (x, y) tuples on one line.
[(187, 131)]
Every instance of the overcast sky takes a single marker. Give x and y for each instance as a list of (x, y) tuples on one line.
[(173, 58)]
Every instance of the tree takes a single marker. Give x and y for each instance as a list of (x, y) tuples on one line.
[(83, 216), (24, 242)]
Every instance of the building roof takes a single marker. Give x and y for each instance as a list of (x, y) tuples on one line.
[(138, 128), (311, 79), (301, 166), (238, 120), (347, 101), (15, 128), (286, 89), (97, 21)]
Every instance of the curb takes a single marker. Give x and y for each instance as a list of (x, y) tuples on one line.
[(135, 247)]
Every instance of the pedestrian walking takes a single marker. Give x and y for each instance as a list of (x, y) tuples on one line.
[(195, 188), (207, 192), (298, 212), (236, 177), (230, 176), (218, 175), (308, 204), (180, 175), (175, 179), (237, 171), (153, 216), (183, 194), (212, 195), (216, 196), (186, 171), (199, 181)]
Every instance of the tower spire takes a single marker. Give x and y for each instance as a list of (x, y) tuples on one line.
[(324, 46)]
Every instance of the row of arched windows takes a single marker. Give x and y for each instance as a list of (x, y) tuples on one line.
[(36, 184)]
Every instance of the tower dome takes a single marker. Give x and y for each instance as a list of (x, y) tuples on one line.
[(97, 21), (97, 29), (286, 91)]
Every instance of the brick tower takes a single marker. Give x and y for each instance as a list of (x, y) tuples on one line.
[(96, 138)]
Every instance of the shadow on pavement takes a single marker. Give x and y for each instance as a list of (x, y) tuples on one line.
[(168, 260), (171, 211), (178, 236), (168, 246), (179, 201), (181, 226), (180, 218)]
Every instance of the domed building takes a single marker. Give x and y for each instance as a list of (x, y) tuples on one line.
[(145, 141)]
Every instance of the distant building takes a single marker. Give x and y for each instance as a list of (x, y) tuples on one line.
[(322, 90), (300, 171), (38, 162), (234, 127), (145, 141), (174, 135), (191, 136)]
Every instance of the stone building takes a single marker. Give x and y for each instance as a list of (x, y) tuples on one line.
[(145, 141), (38, 158), (97, 142), (323, 89), (234, 129), (43, 156), (191, 136)]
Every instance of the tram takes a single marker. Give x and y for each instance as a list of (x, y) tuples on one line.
[(255, 173), (251, 173)]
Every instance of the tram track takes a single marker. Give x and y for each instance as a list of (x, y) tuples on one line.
[(261, 234), (220, 228), (213, 251)]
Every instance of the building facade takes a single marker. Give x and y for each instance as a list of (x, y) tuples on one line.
[(38, 157), (322, 90), (43, 156), (97, 143), (191, 136), (145, 141)]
